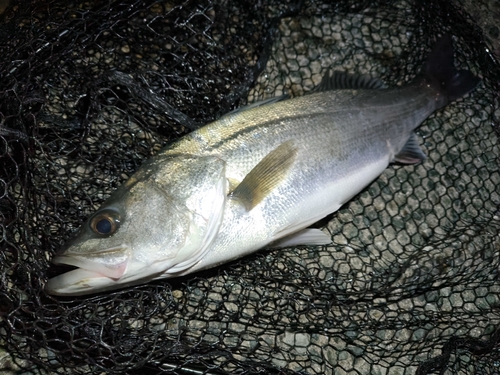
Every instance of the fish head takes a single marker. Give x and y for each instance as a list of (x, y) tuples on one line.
[(145, 231)]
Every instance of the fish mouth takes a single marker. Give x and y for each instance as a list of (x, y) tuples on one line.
[(58, 269), (78, 275), (79, 281)]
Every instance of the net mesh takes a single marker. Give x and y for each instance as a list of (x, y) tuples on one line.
[(90, 89)]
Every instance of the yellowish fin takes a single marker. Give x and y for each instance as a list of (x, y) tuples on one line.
[(265, 176)]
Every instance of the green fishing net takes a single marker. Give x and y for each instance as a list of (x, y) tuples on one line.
[(90, 89)]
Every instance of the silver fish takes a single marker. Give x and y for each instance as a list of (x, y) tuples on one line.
[(257, 177)]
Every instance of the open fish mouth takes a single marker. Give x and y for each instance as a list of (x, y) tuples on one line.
[(80, 281), (59, 269), (78, 275)]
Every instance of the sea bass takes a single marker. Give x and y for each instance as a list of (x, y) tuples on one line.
[(257, 177)]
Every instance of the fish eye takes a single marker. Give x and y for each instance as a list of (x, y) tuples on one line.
[(105, 223)]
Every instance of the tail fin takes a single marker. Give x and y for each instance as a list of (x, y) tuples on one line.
[(440, 73)]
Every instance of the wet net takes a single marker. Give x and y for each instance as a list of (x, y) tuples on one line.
[(90, 89)]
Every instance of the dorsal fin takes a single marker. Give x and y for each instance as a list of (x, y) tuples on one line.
[(344, 81), (265, 176)]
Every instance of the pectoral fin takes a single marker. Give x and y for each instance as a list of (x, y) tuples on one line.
[(265, 176), (411, 152)]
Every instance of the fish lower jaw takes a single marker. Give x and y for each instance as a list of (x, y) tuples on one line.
[(79, 282), (82, 281)]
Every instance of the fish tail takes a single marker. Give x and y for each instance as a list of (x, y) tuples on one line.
[(441, 74)]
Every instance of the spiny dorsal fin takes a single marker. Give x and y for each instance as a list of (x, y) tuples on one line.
[(411, 152), (265, 176), (345, 81)]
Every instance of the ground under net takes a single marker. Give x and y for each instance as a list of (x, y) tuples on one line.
[(90, 89)]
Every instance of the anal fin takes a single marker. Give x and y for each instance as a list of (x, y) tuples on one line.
[(411, 152)]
